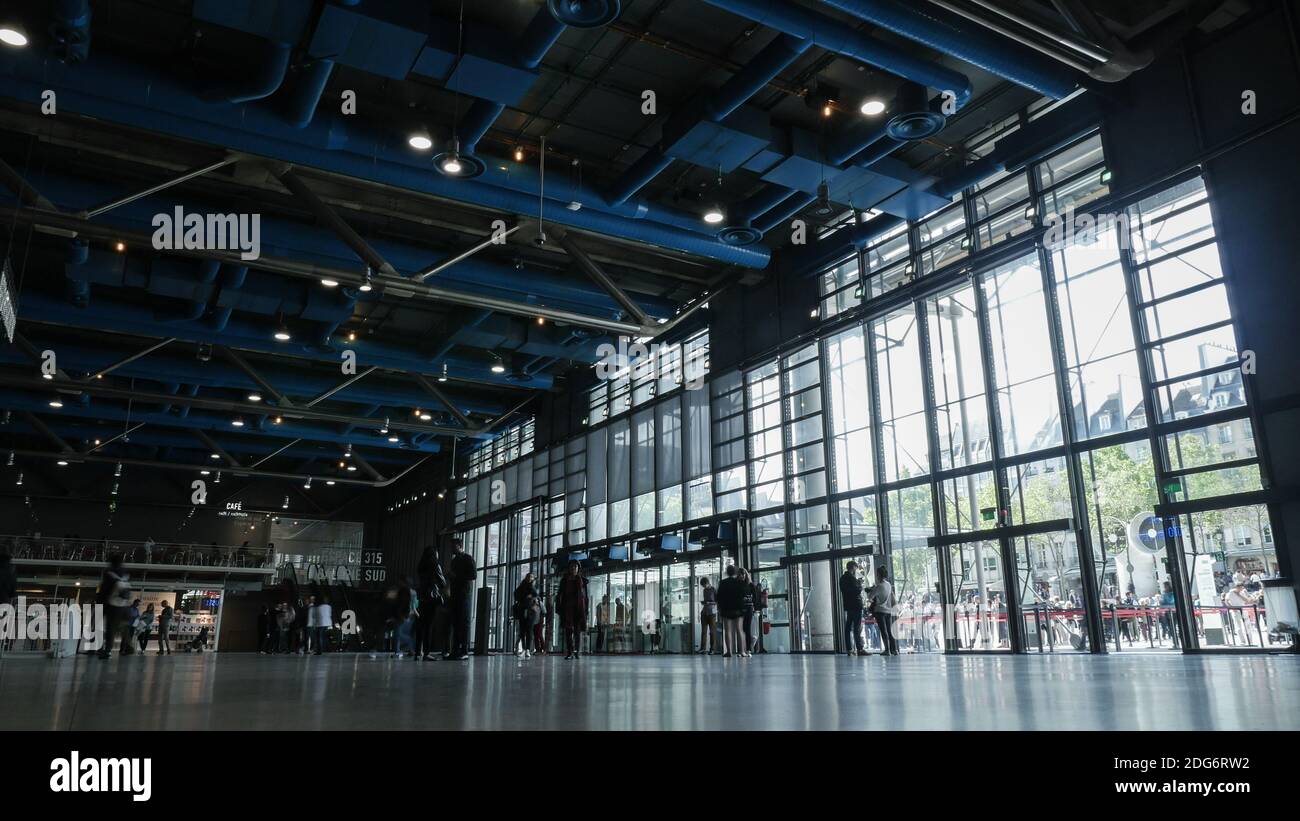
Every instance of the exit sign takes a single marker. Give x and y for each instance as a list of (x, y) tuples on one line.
[(1173, 486), (989, 514)]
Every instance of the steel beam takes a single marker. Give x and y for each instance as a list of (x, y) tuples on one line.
[(394, 285), (133, 357), (366, 466), (121, 435), (241, 472), (30, 350), (281, 400), (330, 217), (437, 393), (162, 186), (245, 408), (270, 456), (217, 449), (503, 417), (604, 280), (49, 434), (27, 195), (430, 273), (340, 386)]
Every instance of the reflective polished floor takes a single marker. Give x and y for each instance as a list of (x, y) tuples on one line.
[(342, 691)]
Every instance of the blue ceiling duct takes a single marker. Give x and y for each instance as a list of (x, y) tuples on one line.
[(70, 30), (121, 92), (584, 13), (120, 317), (774, 58), (207, 421), (945, 33), (218, 374)]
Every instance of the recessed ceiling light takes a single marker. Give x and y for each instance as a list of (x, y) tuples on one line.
[(255, 397), (237, 422), (394, 439), (329, 283), (329, 481), (47, 376), (62, 463), (873, 107), (420, 142), (12, 37), (424, 417), (205, 472), (56, 402), (352, 468), (120, 247), (282, 334), (214, 455), (714, 215)]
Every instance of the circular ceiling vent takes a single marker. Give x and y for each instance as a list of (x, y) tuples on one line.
[(916, 125), (584, 14), (740, 235)]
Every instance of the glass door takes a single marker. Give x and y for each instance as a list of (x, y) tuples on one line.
[(677, 624), (978, 597), (812, 606)]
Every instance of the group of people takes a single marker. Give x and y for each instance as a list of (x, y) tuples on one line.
[(736, 599), (300, 626), (860, 601), (124, 621)]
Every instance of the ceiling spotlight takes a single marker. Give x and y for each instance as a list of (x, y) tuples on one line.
[(255, 397), (426, 417), (307, 484), (329, 482), (56, 402), (352, 336), (450, 163), (214, 455), (285, 506), (20, 479), (352, 467), (12, 37), (384, 429), (279, 419), (873, 107), (715, 215), (120, 247), (117, 470), (329, 283), (11, 459), (205, 472), (282, 333), (416, 412), (442, 377), (47, 376), (366, 286), (62, 463), (394, 439), (96, 443), (498, 366), (342, 464), (115, 488), (420, 142), (237, 422), (217, 478), (823, 206), (519, 154), (442, 494), (827, 110)]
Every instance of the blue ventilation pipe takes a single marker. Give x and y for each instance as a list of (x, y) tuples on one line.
[(305, 98), (121, 92), (790, 206), (208, 269), (78, 283), (833, 35), (70, 30), (976, 45), (775, 57), (265, 81), (537, 39)]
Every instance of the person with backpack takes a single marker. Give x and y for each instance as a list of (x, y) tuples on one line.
[(746, 610), (165, 629), (731, 597), (708, 615), (527, 612), (114, 595), (851, 596), (432, 589), (145, 626), (284, 619), (881, 599)]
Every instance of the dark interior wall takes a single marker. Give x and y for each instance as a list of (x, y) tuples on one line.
[(1187, 109), (132, 521), (749, 321)]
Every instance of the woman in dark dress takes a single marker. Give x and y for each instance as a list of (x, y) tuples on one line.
[(571, 601)]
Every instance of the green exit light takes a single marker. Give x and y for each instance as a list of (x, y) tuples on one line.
[(1173, 486), (989, 513)]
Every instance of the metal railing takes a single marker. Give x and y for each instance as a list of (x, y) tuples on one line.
[(134, 552)]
